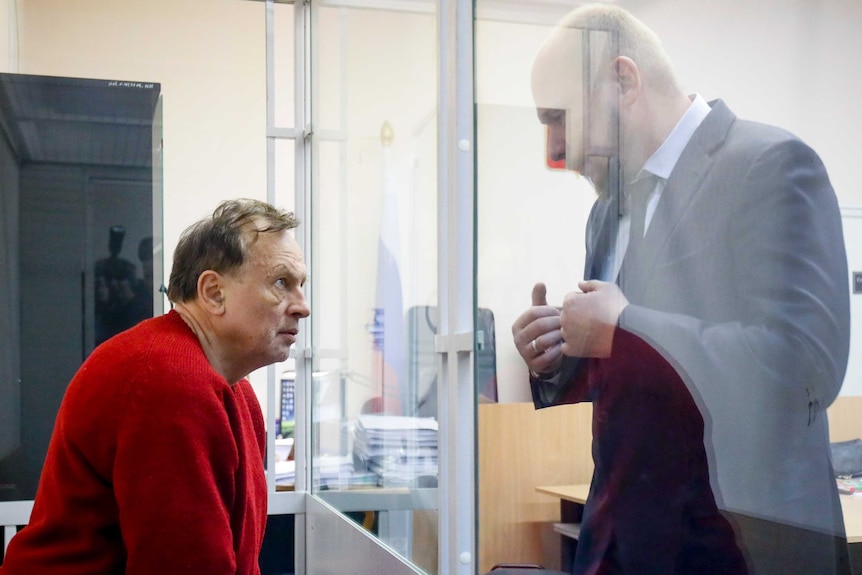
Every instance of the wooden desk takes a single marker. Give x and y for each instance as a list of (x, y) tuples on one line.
[(521, 447), (571, 493), (573, 497), (851, 506)]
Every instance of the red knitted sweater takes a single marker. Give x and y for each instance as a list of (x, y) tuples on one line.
[(155, 466)]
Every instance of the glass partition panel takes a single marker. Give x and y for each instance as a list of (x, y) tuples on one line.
[(701, 198), (374, 429), (284, 174), (283, 64)]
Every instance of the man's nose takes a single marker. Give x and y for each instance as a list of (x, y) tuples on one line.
[(556, 143), (300, 307)]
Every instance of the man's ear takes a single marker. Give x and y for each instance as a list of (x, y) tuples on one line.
[(211, 291), (628, 76)]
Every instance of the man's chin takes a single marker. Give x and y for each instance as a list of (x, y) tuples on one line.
[(599, 185), (596, 172), (279, 355)]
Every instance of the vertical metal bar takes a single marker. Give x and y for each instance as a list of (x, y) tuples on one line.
[(302, 184), (270, 197), (445, 127), (309, 191), (457, 545), (587, 102), (342, 193)]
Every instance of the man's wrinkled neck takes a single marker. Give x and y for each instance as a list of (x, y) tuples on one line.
[(201, 325)]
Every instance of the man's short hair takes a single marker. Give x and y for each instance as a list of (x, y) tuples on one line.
[(635, 40), (220, 242)]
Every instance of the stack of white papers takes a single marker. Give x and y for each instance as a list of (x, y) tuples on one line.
[(401, 451), (285, 472), (328, 472)]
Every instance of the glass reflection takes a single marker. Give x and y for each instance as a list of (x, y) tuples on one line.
[(122, 299), (79, 257), (712, 331), (374, 413)]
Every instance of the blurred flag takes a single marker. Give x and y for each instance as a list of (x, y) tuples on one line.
[(387, 327)]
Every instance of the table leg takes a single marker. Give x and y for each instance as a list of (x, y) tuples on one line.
[(570, 512)]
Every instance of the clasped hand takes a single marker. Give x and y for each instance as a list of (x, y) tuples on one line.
[(583, 327)]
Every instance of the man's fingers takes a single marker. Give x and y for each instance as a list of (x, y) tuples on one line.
[(540, 294), (546, 361)]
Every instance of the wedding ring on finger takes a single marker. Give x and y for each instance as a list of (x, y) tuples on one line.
[(535, 349)]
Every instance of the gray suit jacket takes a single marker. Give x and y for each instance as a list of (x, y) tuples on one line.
[(740, 283)]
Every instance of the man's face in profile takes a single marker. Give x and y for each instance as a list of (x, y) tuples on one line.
[(558, 92), (266, 300)]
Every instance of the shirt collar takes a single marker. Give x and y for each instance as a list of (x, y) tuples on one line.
[(663, 160)]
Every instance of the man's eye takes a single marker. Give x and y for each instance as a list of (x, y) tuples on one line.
[(281, 282)]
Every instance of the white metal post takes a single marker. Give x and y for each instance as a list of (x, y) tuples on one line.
[(457, 545)]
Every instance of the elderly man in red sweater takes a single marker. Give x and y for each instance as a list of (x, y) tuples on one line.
[(156, 461)]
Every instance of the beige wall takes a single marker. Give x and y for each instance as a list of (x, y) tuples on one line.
[(208, 56), (8, 36)]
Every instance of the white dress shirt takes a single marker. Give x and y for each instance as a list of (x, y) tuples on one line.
[(660, 164)]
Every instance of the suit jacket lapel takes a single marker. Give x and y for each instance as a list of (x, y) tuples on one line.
[(682, 189), (604, 223)]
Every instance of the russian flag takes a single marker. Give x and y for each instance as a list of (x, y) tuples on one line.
[(387, 329)]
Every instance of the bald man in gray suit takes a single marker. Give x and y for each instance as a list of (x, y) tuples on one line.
[(712, 330)]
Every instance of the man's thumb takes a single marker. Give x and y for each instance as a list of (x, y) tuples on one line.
[(540, 293)]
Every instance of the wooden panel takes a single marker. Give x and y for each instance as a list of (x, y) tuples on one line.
[(519, 449), (844, 418), (425, 544)]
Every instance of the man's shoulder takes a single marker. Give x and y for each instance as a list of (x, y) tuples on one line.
[(761, 133), (747, 132), (162, 345), (161, 332)]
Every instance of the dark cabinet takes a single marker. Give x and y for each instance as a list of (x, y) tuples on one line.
[(80, 248)]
